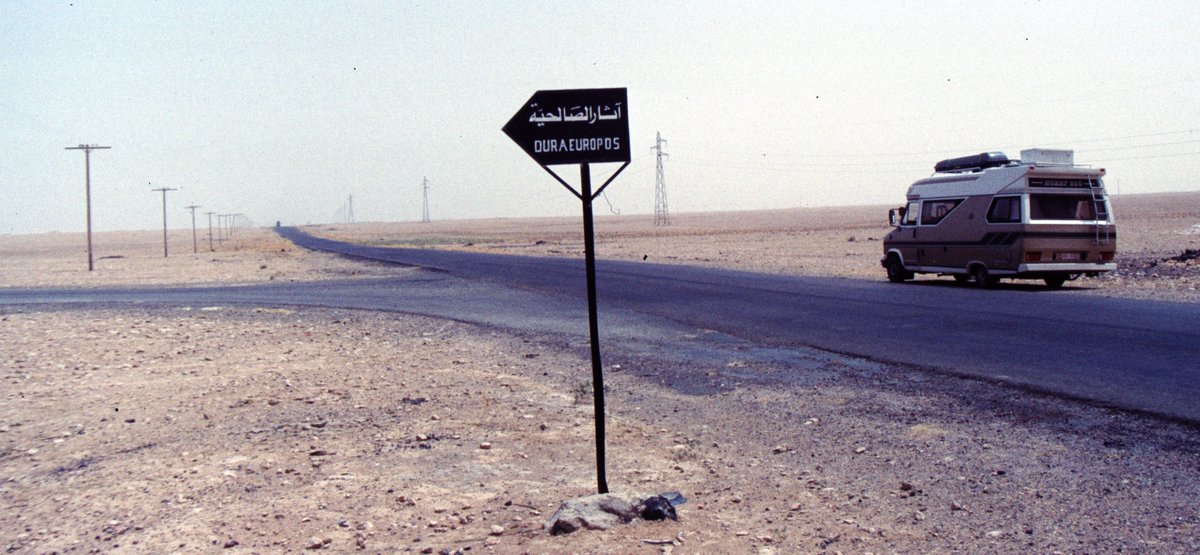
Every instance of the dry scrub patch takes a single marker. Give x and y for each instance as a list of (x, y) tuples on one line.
[(269, 430)]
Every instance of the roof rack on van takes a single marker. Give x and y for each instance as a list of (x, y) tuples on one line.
[(973, 163)]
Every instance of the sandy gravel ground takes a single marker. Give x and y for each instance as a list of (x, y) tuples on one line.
[(261, 430), (135, 258)]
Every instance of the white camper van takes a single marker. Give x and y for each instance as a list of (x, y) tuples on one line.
[(984, 217)]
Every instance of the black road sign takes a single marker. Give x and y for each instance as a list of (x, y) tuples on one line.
[(575, 126), (579, 126)]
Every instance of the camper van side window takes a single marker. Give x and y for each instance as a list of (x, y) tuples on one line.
[(1005, 210), (911, 212), (933, 211)]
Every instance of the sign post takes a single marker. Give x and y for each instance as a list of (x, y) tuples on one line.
[(579, 126)]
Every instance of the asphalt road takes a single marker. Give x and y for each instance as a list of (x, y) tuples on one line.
[(1135, 355)]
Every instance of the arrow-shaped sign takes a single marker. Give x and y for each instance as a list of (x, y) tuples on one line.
[(575, 126)]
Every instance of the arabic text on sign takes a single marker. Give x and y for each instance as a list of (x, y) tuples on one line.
[(575, 114)]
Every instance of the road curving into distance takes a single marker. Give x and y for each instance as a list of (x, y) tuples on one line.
[(1134, 355)]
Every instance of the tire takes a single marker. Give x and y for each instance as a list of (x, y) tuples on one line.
[(1054, 282), (895, 270), (981, 278)]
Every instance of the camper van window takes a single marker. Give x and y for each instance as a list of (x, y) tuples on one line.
[(1061, 207), (1005, 210), (933, 211), (911, 212)]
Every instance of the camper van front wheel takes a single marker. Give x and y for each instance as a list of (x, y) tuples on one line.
[(895, 270)]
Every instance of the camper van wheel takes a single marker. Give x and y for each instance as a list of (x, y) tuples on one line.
[(895, 270), (1054, 282), (982, 280)]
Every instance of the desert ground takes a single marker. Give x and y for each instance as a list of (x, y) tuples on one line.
[(255, 429)]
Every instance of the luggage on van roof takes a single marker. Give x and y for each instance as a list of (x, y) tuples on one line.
[(975, 162)]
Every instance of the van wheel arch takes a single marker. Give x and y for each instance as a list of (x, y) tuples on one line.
[(895, 269)]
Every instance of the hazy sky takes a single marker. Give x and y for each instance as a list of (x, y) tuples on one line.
[(282, 110)]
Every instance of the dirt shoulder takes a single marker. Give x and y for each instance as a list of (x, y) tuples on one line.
[(263, 430)]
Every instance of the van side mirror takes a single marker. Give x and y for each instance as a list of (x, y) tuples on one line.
[(893, 218)]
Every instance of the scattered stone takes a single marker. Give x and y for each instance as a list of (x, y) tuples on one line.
[(657, 507), (230, 543), (860, 450), (497, 530), (594, 512), (955, 506), (485, 445), (318, 543)]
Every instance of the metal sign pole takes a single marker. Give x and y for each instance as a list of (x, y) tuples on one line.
[(589, 254)]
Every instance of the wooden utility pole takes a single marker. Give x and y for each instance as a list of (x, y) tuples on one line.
[(87, 164), (210, 236), (193, 209), (164, 192)]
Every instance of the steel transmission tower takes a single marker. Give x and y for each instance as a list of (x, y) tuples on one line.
[(425, 200), (661, 214)]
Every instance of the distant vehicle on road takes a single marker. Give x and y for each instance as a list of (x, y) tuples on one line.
[(984, 217)]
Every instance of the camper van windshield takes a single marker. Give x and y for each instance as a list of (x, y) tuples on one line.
[(1061, 207)]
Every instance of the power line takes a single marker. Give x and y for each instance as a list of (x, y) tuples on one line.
[(858, 156), (1147, 157)]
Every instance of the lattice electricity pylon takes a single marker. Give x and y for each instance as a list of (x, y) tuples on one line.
[(425, 200), (662, 215)]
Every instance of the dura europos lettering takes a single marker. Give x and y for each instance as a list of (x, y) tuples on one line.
[(577, 145)]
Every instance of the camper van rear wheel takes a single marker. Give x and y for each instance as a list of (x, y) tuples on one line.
[(1054, 282), (895, 270), (982, 279)]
